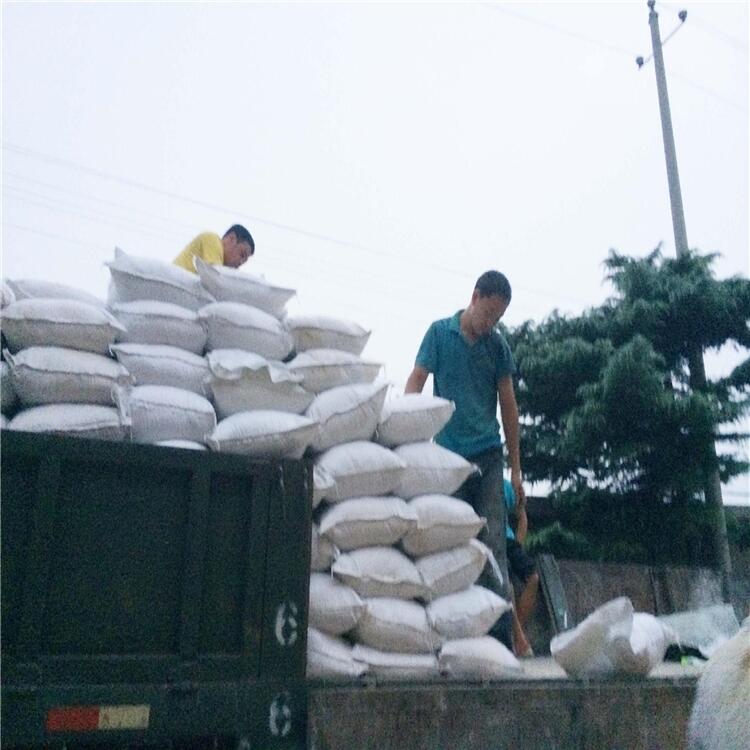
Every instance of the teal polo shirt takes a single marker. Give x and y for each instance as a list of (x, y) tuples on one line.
[(467, 374)]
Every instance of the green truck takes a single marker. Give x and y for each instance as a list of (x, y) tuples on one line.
[(152, 596)]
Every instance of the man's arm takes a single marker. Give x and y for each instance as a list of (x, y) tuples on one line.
[(416, 380), (509, 415)]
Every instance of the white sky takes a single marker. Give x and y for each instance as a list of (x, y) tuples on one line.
[(412, 147)]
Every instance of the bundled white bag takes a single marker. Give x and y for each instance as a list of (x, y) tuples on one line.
[(379, 571), (7, 296), (331, 657), (643, 647), (413, 418), (346, 413), (612, 640), (322, 551), (59, 322), (232, 325), (322, 369), (77, 420), (442, 523), (386, 665), (243, 381), (335, 608), (160, 412), (263, 434), (478, 659), (323, 485), (155, 364), (360, 469), (186, 444), (719, 719), (454, 569), (430, 468), (321, 332), (466, 614), (367, 522), (152, 322), (35, 288), (233, 285), (53, 375), (7, 392), (135, 278), (397, 625)]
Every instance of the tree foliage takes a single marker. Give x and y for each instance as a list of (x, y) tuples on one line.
[(611, 414)]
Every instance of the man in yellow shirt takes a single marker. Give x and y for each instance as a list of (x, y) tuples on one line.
[(232, 250)]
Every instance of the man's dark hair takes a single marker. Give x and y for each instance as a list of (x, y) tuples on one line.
[(242, 235), (493, 283)]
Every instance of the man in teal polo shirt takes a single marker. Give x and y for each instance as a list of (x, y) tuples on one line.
[(471, 365)]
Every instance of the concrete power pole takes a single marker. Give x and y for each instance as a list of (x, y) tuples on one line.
[(695, 355)]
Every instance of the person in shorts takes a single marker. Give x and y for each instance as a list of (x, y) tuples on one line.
[(522, 567)]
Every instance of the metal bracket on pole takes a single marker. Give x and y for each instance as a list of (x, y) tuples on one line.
[(682, 15)]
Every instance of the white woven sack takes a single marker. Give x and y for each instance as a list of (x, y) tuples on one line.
[(642, 647), (321, 332), (243, 381), (36, 288), (479, 659), (231, 325), (322, 369), (263, 434), (160, 412), (182, 444), (330, 657), (430, 468), (466, 614), (397, 625), (442, 523), (78, 420), (323, 485), (233, 285), (719, 719), (322, 551), (379, 571), (59, 322), (7, 296), (335, 608), (386, 665), (454, 569), (152, 322), (346, 413), (583, 651), (367, 522), (155, 364), (136, 278), (7, 392), (52, 375), (413, 418), (360, 469)]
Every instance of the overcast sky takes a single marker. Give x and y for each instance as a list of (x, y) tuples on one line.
[(382, 155)]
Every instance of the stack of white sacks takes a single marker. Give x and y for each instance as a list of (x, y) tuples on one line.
[(394, 556), (57, 371), (213, 361)]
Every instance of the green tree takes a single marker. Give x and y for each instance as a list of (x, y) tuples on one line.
[(613, 419)]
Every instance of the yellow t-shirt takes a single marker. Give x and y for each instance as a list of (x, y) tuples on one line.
[(206, 246)]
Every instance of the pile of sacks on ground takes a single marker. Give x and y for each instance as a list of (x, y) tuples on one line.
[(212, 361)]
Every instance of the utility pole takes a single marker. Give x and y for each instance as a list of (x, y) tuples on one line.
[(695, 355)]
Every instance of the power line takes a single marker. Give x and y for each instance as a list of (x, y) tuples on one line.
[(422, 265), (733, 41), (98, 199), (560, 30), (611, 48)]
